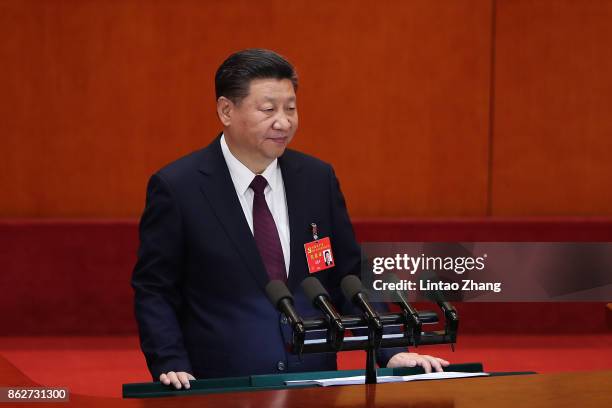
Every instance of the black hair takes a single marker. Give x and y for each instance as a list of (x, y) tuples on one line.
[(234, 76)]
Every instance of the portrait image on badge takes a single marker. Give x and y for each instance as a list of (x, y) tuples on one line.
[(328, 258)]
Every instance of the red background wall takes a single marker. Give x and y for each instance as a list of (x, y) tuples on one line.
[(425, 108), (553, 100)]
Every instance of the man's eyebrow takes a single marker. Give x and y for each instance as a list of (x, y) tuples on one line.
[(271, 99)]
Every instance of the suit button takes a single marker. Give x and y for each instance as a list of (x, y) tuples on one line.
[(281, 366), (284, 319)]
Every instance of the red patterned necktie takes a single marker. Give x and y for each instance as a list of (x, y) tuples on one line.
[(265, 232)]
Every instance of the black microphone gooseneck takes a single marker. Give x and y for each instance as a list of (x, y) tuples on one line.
[(411, 316), (281, 298), (451, 317), (319, 297), (352, 289)]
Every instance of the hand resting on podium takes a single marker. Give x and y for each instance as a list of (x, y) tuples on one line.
[(428, 362), (177, 380)]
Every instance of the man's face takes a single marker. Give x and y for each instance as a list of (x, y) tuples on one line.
[(261, 126)]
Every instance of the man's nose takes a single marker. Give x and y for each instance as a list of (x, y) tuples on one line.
[(282, 122)]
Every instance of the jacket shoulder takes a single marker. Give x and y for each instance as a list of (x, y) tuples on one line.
[(306, 161), (184, 168), (186, 163)]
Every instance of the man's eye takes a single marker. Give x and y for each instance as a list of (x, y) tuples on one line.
[(268, 109)]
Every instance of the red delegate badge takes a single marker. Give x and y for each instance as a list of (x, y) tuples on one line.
[(319, 255)]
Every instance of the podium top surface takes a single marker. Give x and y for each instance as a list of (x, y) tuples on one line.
[(267, 382)]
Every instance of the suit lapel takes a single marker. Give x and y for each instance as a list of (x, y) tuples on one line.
[(219, 190), (298, 225)]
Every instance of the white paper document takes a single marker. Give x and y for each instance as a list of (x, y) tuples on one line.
[(360, 379)]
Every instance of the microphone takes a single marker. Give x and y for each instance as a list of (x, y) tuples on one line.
[(410, 313), (281, 298), (320, 298), (438, 297), (352, 289), (451, 317)]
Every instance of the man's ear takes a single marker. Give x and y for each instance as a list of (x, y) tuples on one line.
[(224, 110)]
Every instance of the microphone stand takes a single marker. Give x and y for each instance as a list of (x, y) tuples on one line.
[(375, 333), (335, 324), (376, 339)]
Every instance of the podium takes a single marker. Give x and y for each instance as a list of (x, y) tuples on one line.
[(273, 382), (576, 389)]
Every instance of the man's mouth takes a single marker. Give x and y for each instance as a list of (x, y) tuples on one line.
[(279, 140)]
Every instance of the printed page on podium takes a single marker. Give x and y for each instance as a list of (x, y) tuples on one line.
[(360, 379)]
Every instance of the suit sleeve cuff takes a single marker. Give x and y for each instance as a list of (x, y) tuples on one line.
[(170, 364), (384, 355)]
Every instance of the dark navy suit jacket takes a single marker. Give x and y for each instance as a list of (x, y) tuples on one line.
[(199, 280)]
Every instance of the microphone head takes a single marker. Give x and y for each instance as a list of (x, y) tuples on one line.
[(277, 291), (433, 295), (396, 295), (392, 278), (313, 288), (351, 286)]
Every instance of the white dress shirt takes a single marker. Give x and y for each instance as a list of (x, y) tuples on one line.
[(274, 193)]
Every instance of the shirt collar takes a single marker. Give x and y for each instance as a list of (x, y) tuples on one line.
[(242, 176)]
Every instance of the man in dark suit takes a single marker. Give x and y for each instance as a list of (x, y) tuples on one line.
[(221, 222)]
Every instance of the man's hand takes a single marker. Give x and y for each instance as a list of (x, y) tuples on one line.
[(414, 359), (178, 380)]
